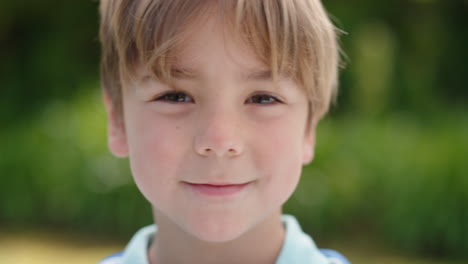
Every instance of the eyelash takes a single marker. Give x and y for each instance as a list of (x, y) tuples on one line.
[(166, 98)]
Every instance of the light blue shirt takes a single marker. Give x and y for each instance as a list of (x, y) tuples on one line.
[(298, 247)]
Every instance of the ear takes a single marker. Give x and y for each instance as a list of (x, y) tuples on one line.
[(116, 136), (309, 143)]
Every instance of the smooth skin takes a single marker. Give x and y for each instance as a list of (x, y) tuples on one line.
[(223, 121)]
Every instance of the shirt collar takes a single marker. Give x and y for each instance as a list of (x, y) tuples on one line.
[(298, 247)]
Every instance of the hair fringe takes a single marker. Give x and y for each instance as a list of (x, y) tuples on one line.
[(294, 38)]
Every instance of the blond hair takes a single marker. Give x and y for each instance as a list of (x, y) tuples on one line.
[(292, 37)]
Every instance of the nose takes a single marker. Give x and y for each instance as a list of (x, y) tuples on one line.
[(219, 135)]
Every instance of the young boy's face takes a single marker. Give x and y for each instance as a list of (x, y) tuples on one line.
[(223, 126)]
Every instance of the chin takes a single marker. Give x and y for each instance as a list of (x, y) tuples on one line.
[(217, 229)]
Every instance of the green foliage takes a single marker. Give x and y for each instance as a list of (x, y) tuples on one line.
[(58, 171), (399, 177)]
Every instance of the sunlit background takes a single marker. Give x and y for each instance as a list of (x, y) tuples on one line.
[(389, 183)]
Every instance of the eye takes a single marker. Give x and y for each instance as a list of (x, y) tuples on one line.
[(175, 97), (263, 99)]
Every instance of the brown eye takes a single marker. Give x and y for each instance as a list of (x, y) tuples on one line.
[(175, 97), (263, 99)]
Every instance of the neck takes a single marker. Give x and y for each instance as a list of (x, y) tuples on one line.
[(261, 244)]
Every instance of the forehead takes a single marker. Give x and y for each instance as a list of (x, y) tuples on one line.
[(210, 46), (210, 50)]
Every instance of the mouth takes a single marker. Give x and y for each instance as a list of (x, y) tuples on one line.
[(216, 189)]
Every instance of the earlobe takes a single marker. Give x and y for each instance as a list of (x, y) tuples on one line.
[(117, 138), (308, 155), (309, 146)]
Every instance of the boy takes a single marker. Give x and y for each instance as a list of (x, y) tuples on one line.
[(215, 103)]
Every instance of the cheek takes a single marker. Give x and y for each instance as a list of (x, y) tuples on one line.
[(155, 154), (278, 155)]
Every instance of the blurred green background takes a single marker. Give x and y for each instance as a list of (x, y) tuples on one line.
[(391, 163)]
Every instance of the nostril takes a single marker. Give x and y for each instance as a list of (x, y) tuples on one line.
[(230, 151)]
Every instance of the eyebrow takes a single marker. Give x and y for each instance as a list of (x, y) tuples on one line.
[(262, 75), (191, 74)]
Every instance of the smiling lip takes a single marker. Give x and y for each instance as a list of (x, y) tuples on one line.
[(218, 189)]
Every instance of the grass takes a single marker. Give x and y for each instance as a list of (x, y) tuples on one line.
[(41, 247)]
